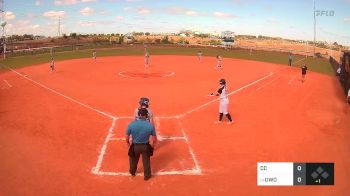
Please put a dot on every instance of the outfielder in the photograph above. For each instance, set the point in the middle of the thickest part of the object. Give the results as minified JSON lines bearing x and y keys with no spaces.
{"x":52,"y":65}
{"x":303,"y":73}
{"x":144,"y":103}
{"x":146,"y":58}
{"x":200,"y":55}
{"x":218,"y":62}
{"x":223,"y":107}
{"x":94,"y":56}
{"x":290,"y":59}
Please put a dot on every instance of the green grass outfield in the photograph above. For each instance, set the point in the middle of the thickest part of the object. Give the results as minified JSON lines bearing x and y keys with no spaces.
{"x":314,"y":64}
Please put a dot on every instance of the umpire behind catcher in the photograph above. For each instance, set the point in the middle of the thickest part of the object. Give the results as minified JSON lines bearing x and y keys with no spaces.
{"x":141,"y":131}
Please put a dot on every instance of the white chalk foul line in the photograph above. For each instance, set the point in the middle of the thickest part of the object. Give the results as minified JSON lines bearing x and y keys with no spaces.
{"x":62,"y":95}
{"x":270,"y":82}
{"x":292,"y":79}
{"x":8,"y":84}
{"x":96,"y":169}
{"x":229,"y":94}
{"x":157,"y":123}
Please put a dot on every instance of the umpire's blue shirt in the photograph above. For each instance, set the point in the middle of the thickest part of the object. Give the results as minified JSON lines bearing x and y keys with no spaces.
{"x":140,"y":131}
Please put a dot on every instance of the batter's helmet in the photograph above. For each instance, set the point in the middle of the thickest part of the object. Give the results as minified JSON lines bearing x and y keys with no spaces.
{"x":222,"y":81}
{"x":144,"y":101}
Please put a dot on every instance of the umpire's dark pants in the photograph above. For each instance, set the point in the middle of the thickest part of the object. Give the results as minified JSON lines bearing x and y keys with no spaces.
{"x":144,"y":150}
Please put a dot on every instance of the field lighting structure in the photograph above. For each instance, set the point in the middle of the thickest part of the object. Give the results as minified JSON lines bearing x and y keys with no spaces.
{"x":3,"y":25}
{"x":314,"y":28}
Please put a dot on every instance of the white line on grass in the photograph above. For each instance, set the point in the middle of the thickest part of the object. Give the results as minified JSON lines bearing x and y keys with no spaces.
{"x":96,"y":169}
{"x":264,"y":85}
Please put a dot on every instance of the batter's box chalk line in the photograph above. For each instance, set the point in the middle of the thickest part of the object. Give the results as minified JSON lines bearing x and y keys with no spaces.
{"x":196,"y":170}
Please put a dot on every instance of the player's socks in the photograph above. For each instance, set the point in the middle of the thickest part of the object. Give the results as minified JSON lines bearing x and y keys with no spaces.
{"x":229,"y":117}
{"x":220,"y":116}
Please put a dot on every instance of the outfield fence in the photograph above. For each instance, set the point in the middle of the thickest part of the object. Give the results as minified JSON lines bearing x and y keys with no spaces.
{"x":321,"y":53}
{"x":56,"y":48}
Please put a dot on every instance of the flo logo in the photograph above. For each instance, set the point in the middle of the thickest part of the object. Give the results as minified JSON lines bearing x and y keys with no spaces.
{"x":324,"y":12}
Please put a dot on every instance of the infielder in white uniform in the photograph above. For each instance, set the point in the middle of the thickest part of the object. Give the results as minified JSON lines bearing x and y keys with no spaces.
{"x":218,"y":62}
{"x":52,"y":65}
{"x":94,"y":56}
{"x":223,"y":108}
{"x":144,"y":103}
{"x":200,"y":55}
{"x":146,"y":58}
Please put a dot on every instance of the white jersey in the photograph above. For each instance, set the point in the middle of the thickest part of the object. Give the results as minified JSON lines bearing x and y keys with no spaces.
{"x":349,"y":93}
{"x":146,"y":53}
{"x":223,"y":106}
{"x":219,"y":59}
{"x":218,"y":62}
{"x":223,"y":92}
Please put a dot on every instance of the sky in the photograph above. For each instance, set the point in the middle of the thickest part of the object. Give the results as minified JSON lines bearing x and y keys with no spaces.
{"x":291,"y":19}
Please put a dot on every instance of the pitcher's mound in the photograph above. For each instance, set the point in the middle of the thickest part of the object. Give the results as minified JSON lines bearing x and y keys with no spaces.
{"x":146,"y":73}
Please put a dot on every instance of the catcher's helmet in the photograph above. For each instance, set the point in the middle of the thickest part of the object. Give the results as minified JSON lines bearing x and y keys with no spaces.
{"x":222,"y":81}
{"x":144,"y":101}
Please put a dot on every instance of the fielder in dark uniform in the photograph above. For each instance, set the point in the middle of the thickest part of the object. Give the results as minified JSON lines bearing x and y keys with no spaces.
{"x":303,"y":73}
{"x":141,"y":130}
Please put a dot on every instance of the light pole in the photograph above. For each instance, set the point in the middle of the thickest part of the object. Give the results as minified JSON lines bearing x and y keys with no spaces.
{"x":314,"y":28}
{"x":3,"y":24}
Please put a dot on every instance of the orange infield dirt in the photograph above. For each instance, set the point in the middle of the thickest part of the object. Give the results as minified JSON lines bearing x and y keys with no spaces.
{"x":61,"y":133}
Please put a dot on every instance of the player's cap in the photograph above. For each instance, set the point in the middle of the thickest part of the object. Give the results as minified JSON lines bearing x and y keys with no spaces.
{"x":222,"y":81}
{"x":143,"y":112}
{"x":144,"y":101}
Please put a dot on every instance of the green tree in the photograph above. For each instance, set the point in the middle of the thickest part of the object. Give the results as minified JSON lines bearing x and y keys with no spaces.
{"x":73,"y":35}
{"x":165,"y":40}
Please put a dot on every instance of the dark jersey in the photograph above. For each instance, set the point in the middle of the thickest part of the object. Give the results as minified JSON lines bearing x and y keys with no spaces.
{"x":303,"y":70}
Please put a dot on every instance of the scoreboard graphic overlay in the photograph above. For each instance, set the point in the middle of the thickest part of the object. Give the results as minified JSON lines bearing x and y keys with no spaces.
{"x":295,"y":174}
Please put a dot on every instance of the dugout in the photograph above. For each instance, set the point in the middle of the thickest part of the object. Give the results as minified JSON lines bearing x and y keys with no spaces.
{"x":345,"y":71}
